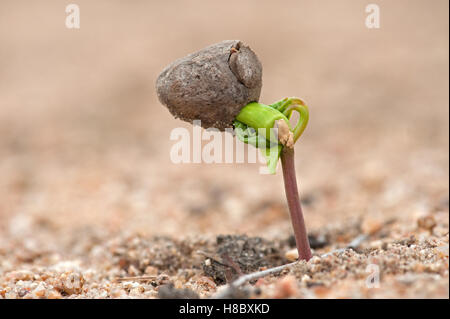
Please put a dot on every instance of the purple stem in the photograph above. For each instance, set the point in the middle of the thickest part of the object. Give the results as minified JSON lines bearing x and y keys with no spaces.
{"x":295,"y":209}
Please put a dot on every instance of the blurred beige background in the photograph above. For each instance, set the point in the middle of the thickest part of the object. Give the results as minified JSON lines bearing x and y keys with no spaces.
{"x":84,"y":142}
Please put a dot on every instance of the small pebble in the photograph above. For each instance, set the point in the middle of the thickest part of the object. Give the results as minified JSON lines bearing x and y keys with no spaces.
{"x":53,"y":294}
{"x":152,"y":271}
{"x":314,"y":260}
{"x":426,"y":222}
{"x":371,"y":226}
{"x":40,"y":290}
{"x":291,"y":255}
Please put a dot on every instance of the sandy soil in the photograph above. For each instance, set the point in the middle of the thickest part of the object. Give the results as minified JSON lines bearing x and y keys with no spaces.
{"x":92,"y":207}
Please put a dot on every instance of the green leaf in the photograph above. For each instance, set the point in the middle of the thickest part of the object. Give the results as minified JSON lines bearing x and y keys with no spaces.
{"x":256,"y":116}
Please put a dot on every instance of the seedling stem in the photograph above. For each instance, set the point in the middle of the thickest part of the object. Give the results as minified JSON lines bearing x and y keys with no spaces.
{"x":295,"y":208}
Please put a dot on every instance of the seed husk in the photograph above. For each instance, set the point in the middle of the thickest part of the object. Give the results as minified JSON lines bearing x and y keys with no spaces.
{"x":211,"y":85}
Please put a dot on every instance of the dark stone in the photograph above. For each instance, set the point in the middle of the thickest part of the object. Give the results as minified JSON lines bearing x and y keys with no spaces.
{"x":316,"y":241}
{"x":241,"y":255}
{"x":170,"y":292}
{"x":211,"y":85}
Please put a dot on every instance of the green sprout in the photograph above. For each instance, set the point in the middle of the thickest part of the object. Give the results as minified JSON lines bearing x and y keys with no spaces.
{"x":216,"y":83}
{"x":256,"y":121}
{"x":255,"y":125}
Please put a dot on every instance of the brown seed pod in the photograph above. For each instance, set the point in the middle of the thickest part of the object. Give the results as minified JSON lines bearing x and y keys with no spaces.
{"x":211,"y":85}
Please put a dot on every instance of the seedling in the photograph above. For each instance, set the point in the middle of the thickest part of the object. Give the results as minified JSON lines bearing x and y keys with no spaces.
{"x":220,"y":85}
